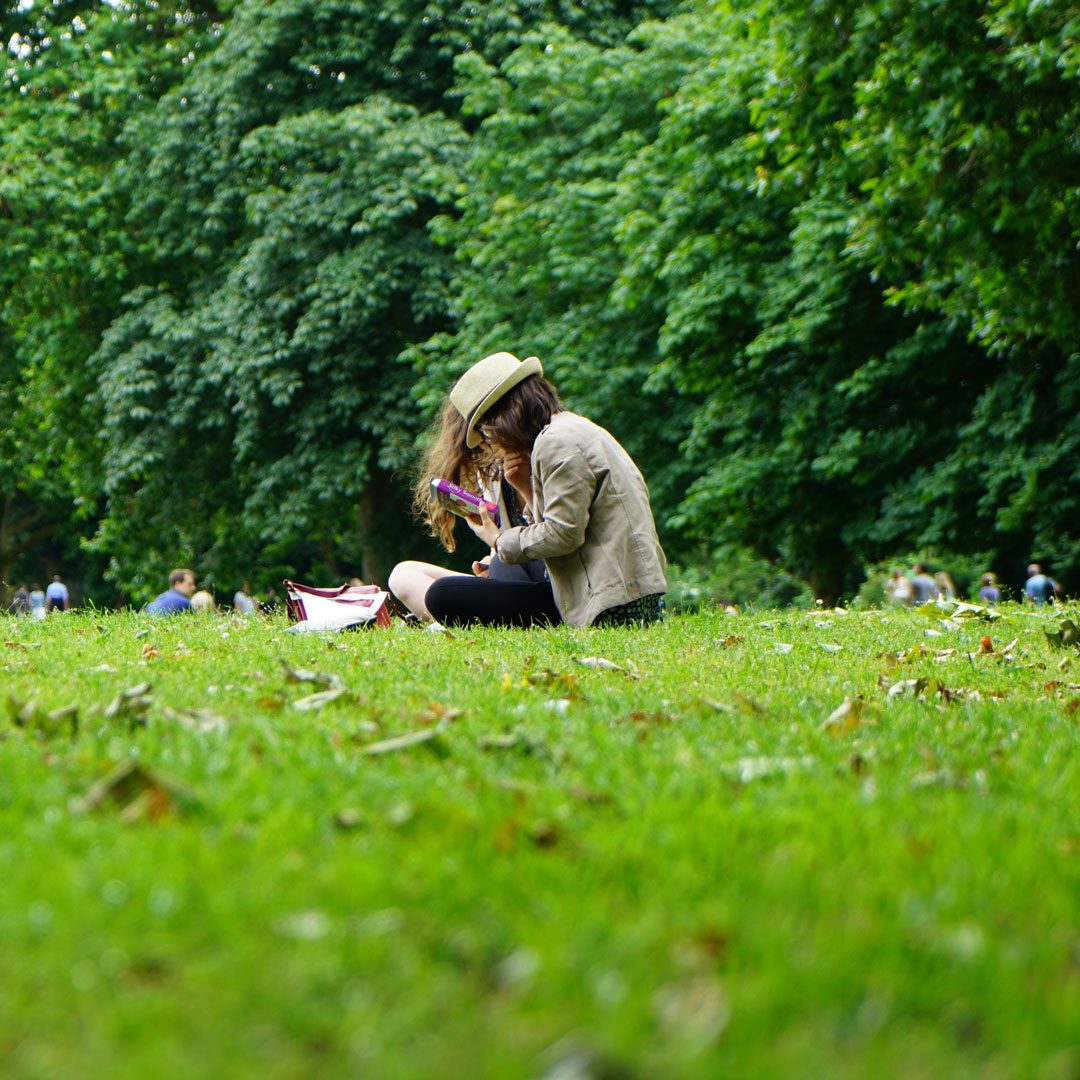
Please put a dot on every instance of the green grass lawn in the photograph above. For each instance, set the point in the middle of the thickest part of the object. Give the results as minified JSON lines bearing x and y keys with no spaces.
{"x":676,"y":867}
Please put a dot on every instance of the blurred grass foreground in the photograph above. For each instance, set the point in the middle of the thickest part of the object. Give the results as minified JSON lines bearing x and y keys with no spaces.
{"x":798,"y":843}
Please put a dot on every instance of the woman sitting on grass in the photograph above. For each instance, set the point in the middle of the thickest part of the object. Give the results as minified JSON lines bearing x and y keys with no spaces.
{"x":581,"y":508}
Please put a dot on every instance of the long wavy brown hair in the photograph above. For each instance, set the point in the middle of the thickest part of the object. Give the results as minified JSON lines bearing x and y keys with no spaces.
{"x":448,"y":458}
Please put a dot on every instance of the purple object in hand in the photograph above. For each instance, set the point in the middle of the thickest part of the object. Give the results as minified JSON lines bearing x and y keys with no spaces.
{"x":463,"y":502}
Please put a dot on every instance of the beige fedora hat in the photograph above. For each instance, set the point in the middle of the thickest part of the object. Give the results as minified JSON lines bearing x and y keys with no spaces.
{"x":484,"y":383}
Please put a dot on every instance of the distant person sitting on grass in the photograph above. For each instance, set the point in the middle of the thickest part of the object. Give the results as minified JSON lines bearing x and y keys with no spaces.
{"x":178,"y":596}
{"x":1039,"y":588}
{"x":243,"y":601}
{"x":945,"y":585}
{"x":20,"y":602}
{"x":923,"y":586}
{"x":203,"y":602}
{"x":990,"y":592}
{"x":899,"y":589}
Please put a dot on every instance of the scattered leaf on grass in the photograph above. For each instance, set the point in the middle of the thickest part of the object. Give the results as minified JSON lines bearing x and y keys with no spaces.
{"x":427,"y":736}
{"x":44,"y":723}
{"x":846,"y":717}
{"x":150,"y":652}
{"x":318,"y":678}
{"x":573,"y":1059}
{"x":202,"y":721}
{"x":657,"y":718}
{"x":400,"y":814}
{"x":732,"y":640}
{"x":1065,"y":634}
{"x":303,"y":926}
{"x":9,"y":644}
{"x":740,"y":704}
{"x":782,"y":647}
{"x":321,"y":698}
{"x":589,"y":795}
{"x":349,"y":818}
{"x":830,"y":647}
{"x":544,"y":834}
{"x":950,"y":610}
{"x":566,"y":684}
{"x":514,"y":740}
{"x":131,"y":705}
{"x":599,"y":663}
{"x":694,"y":1012}
{"x":938,"y":778}
{"x":139,"y":793}
{"x":748,"y":769}
{"x":437,"y":713}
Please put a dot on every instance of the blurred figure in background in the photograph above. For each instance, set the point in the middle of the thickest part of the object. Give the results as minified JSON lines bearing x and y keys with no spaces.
{"x":923,"y":586}
{"x":945,"y":585}
{"x":243,"y":601}
{"x":177,"y":598}
{"x":270,"y":603}
{"x":1039,"y":588}
{"x":202,"y":602}
{"x":37,"y":602}
{"x":56,"y":595}
{"x":898,"y":589}
{"x":989,"y":593}
{"x":20,"y":602}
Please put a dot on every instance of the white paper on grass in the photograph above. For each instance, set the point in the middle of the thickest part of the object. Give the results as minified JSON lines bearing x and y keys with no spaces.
{"x":325,"y":614}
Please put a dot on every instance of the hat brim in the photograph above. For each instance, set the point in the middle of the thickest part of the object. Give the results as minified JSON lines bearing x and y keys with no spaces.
{"x":529,"y":366}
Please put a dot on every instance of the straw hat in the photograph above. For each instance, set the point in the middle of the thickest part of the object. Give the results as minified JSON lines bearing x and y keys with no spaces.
{"x":484,"y":383}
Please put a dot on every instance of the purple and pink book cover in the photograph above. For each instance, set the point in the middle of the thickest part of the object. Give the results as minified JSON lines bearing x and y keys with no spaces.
{"x":461,"y":501}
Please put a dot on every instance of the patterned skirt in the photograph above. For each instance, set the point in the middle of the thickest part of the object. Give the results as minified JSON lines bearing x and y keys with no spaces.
{"x":639,"y":612}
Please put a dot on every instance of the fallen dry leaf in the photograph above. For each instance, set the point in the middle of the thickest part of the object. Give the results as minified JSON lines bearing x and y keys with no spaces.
{"x":131,"y":704}
{"x":321,"y":698}
{"x":427,"y":736}
{"x":139,"y":793}
{"x":846,"y":717}
{"x":694,"y":1012}
{"x":302,"y":675}
{"x":437,"y":713}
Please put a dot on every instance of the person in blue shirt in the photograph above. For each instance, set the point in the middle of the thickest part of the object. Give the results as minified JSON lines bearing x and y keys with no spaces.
{"x":178,"y":596}
{"x":1039,"y":589}
{"x":990,"y":593}
{"x":56,"y":595}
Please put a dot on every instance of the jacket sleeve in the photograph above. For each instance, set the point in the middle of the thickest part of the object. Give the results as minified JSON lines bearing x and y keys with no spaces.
{"x":568,"y":486}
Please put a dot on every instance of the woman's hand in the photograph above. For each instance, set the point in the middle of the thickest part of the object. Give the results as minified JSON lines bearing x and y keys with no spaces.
{"x":481,"y":568}
{"x":484,"y":527}
{"x":517,"y":468}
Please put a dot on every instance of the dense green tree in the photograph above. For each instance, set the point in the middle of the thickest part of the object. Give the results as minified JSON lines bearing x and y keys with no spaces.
{"x":73,"y":75}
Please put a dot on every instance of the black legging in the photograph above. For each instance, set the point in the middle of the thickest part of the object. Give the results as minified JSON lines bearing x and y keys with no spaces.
{"x":460,"y":600}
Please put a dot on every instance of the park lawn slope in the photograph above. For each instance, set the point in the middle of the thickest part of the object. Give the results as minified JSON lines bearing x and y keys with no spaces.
{"x":672,"y":852}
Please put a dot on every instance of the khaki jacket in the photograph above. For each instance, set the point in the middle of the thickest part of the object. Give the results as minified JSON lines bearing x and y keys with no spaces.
{"x":593,"y":525}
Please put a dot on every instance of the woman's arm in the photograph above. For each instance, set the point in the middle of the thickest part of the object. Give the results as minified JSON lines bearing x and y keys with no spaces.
{"x":568,"y":487}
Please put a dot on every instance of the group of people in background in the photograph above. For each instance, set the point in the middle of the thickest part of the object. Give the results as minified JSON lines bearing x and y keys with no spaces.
{"x":920,"y":586}
{"x":183,"y":594}
{"x":37,"y":602}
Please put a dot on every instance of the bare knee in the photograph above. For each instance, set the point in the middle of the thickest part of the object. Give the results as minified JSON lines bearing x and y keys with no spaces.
{"x":409,"y":582}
